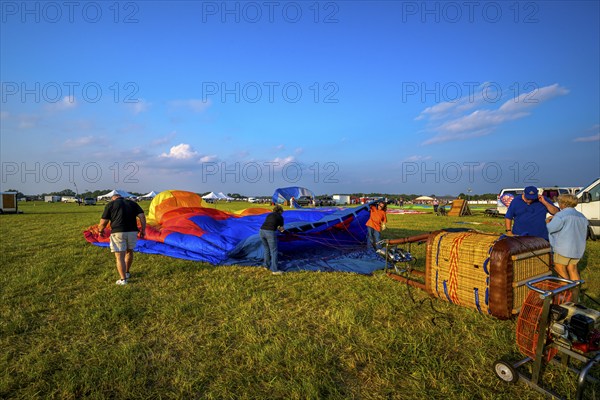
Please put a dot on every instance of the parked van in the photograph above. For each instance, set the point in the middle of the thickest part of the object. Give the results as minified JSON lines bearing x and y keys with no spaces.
{"x":507,"y":195}
{"x":574,"y":190}
{"x":589,"y":205}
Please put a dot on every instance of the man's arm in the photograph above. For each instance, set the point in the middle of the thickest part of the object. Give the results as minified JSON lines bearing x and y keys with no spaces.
{"x":508,"y":225}
{"x":552,"y":209}
{"x":142,"y":218}
{"x":102,"y":226}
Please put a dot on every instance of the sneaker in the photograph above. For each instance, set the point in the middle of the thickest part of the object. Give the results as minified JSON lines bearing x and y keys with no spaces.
{"x":127,"y":275}
{"x":121,"y":282}
{"x":381,"y":252}
{"x":277,"y":273}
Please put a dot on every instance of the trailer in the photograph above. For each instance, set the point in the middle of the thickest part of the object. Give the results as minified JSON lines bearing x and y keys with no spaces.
{"x":341,"y":199}
{"x":52,"y":199}
{"x":8,"y":202}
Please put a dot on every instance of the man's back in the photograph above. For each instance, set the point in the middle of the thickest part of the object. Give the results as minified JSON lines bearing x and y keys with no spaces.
{"x":122,"y":214}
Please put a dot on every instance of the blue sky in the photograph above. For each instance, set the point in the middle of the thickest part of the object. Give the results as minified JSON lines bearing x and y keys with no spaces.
{"x":339,"y":97}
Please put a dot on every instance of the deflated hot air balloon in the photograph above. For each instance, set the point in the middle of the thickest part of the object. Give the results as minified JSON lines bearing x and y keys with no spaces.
{"x":179,"y":226}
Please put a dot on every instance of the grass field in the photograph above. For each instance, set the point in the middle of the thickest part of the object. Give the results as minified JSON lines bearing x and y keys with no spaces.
{"x":190,"y":330}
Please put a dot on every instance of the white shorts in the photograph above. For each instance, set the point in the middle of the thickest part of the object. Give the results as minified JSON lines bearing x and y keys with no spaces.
{"x":122,"y":241}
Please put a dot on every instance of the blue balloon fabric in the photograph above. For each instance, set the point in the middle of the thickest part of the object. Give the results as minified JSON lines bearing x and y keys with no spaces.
{"x":326,"y":239}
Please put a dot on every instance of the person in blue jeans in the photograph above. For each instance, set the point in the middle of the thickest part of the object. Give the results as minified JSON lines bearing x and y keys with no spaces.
{"x":375,"y":224}
{"x":268,"y":237}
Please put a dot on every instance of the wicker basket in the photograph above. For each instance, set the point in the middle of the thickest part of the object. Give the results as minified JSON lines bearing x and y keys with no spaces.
{"x":486,"y":272}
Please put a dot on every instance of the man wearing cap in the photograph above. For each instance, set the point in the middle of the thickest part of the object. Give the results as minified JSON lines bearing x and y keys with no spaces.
{"x":526,"y":215}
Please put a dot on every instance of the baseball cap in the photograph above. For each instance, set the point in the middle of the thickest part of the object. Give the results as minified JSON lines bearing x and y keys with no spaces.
{"x":531,"y":193}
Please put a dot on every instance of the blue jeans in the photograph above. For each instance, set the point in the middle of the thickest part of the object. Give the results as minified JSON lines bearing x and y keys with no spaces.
{"x":373,"y":237}
{"x":269,"y":242}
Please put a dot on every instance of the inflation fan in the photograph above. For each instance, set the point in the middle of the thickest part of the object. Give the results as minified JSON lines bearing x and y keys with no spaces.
{"x":552,"y":328}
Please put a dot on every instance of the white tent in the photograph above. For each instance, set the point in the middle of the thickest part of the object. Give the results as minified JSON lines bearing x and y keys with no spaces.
{"x":150,"y":195}
{"x":211,"y":196}
{"x":110,"y":194}
{"x":223,"y":196}
{"x":424,"y":198}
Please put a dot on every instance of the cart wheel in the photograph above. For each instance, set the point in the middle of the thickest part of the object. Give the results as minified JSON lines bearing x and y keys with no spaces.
{"x":506,"y":371}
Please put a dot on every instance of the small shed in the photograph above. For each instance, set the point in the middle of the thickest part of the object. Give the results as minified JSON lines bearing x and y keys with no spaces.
{"x":8,"y":202}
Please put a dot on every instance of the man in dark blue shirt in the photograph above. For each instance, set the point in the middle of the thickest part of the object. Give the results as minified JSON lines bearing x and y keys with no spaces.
{"x":528,"y":212}
{"x":268,"y":237}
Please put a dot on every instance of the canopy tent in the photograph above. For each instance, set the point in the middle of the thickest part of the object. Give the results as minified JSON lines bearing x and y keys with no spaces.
{"x":110,"y":194}
{"x":211,"y":196}
{"x":424,"y":198}
{"x":283,"y":195}
{"x":150,"y":195}
{"x":223,"y":196}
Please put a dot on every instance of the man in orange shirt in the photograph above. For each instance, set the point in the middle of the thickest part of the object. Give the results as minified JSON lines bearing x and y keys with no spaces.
{"x":376,"y":224}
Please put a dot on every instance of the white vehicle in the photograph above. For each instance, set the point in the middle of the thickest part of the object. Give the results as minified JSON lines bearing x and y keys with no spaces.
{"x":506,"y":195}
{"x":574,"y":190}
{"x":589,"y":205}
{"x":252,"y":200}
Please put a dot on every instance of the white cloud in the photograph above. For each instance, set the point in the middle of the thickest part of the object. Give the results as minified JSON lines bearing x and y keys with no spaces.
{"x":437,"y":110}
{"x":79,"y":142}
{"x":533,"y":98}
{"x":180,"y":152}
{"x":210,"y":158}
{"x":66,"y":103}
{"x":242,"y":154}
{"x":165,"y":139}
{"x":417,"y":158}
{"x":455,"y":107}
{"x":280,"y":162}
{"x":483,"y":121}
{"x":593,"y":138}
{"x":285,"y":160}
{"x":194,"y":105}
{"x":28,"y":121}
{"x":139,"y":107}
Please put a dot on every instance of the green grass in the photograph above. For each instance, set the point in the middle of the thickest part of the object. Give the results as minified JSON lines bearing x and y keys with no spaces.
{"x":183,"y":329}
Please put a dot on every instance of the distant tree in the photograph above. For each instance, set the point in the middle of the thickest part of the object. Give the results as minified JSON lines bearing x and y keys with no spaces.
{"x":19,"y":194}
{"x":66,"y":192}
